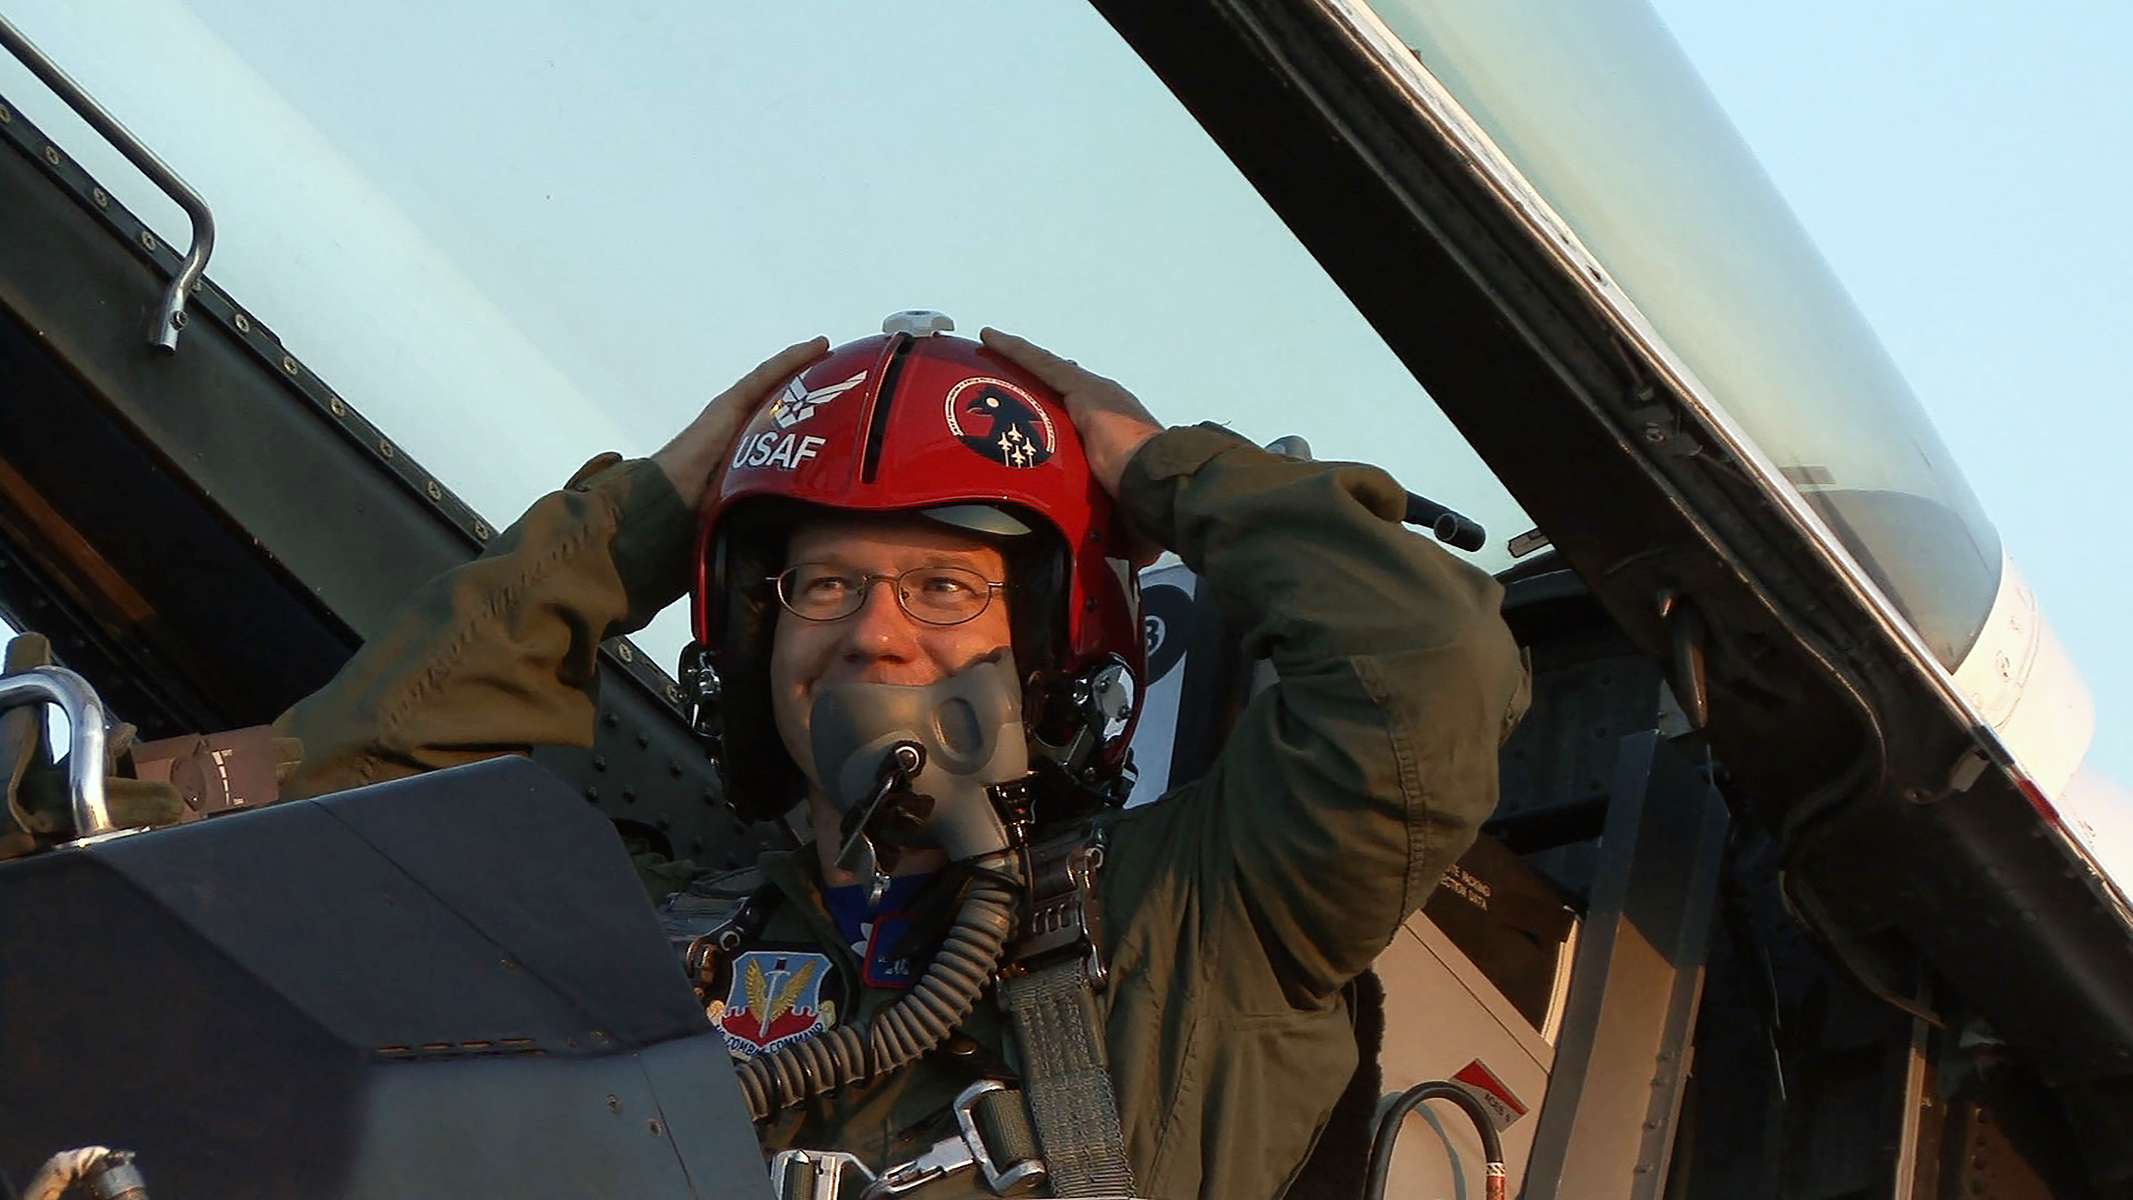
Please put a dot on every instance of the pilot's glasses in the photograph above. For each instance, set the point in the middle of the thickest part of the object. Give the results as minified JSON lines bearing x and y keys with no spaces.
{"x":933,"y":595}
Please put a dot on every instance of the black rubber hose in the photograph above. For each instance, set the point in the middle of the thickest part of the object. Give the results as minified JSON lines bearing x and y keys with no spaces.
{"x":917,"y":1022}
{"x":1388,"y":1132}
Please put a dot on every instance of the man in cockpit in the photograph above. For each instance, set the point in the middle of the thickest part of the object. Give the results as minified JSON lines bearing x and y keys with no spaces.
{"x":911,"y":567}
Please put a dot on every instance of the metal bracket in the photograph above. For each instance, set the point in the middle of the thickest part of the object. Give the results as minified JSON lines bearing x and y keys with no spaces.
{"x":1662,"y":428}
{"x":170,"y":314}
{"x":1687,"y":666}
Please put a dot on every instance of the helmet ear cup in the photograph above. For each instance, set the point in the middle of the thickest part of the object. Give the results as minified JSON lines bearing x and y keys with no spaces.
{"x":1038,"y":570}
{"x":760,"y":779}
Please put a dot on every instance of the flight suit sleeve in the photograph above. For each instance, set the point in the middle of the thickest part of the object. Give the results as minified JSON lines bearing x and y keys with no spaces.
{"x":500,"y":654}
{"x":1346,"y":789}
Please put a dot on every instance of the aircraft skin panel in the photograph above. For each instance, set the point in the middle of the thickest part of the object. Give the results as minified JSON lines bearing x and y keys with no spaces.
{"x":1452,"y":122}
{"x":2025,"y":685}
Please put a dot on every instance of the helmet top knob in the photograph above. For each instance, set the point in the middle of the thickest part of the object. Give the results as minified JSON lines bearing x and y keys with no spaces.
{"x":918,"y":322}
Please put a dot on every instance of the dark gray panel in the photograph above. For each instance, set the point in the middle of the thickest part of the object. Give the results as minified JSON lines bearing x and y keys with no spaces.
{"x":440,"y":978}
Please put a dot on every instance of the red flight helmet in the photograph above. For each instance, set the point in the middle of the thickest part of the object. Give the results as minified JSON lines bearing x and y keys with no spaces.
{"x":912,"y":420}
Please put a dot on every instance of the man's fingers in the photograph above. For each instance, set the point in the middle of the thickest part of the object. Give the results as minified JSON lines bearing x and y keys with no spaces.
{"x":1058,"y":372}
{"x":773,"y":370}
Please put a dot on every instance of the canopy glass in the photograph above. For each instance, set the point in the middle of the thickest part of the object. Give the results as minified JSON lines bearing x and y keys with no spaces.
{"x":514,"y":243}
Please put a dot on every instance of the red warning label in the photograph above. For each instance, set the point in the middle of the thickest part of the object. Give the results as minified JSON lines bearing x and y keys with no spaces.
{"x":1495,"y":1095}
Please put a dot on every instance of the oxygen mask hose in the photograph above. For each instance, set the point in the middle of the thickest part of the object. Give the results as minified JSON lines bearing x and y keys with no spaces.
{"x":1388,"y":1132}
{"x":921,"y":1019}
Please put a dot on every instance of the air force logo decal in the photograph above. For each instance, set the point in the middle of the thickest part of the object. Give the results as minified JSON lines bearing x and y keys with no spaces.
{"x":1001,"y":422}
{"x":777,"y":998}
{"x":776,"y":447}
{"x":797,"y":403}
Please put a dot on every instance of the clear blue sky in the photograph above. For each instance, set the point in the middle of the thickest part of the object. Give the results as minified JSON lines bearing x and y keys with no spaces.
{"x":516,"y":242}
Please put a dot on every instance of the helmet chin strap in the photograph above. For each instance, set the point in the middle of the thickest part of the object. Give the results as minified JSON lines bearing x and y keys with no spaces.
{"x":922,"y":765}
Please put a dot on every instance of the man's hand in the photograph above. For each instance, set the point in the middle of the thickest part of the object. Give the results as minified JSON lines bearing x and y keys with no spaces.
{"x":693,"y":456}
{"x":1112,"y":423}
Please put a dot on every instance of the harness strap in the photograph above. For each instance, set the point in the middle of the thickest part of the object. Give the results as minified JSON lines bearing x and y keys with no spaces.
{"x":1066,"y":1080}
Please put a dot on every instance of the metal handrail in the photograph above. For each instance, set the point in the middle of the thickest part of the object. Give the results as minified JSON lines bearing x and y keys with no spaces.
{"x":170,"y":315}
{"x":85,"y":747}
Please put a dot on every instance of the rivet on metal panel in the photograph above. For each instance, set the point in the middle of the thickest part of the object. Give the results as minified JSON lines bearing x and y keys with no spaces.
{"x":599,"y":762}
{"x":710,"y":797}
{"x":610,"y":719}
{"x":481,"y":530}
{"x":430,"y":487}
{"x":242,"y":322}
{"x":7,"y":115}
{"x":102,"y":197}
{"x":288,"y":363}
{"x":674,"y":767}
{"x":614,"y":1103}
{"x":674,"y":693}
{"x":51,"y":155}
{"x":385,"y":448}
{"x":657,"y":1129}
{"x":623,"y":651}
{"x":148,"y":241}
{"x":593,"y":794}
{"x":334,"y":406}
{"x":629,"y":795}
{"x":644,"y":741}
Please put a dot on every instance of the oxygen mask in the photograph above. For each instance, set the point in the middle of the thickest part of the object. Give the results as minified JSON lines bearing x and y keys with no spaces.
{"x":930,"y":765}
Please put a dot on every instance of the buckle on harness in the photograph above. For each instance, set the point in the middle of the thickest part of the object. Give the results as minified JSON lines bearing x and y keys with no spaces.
{"x":823,"y":1174}
{"x":1065,"y":914}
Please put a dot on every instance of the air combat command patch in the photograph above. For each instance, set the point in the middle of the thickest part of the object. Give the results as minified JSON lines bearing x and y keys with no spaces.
{"x":775,"y":998}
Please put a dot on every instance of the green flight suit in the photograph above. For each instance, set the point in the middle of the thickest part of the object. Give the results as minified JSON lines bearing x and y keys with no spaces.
{"x":1237,"y":906}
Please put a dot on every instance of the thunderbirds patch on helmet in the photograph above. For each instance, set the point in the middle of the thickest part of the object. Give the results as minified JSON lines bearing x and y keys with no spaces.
{"x":1001,"y":422}
{"x":797,"y":403}
{"x":776,"y":998}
